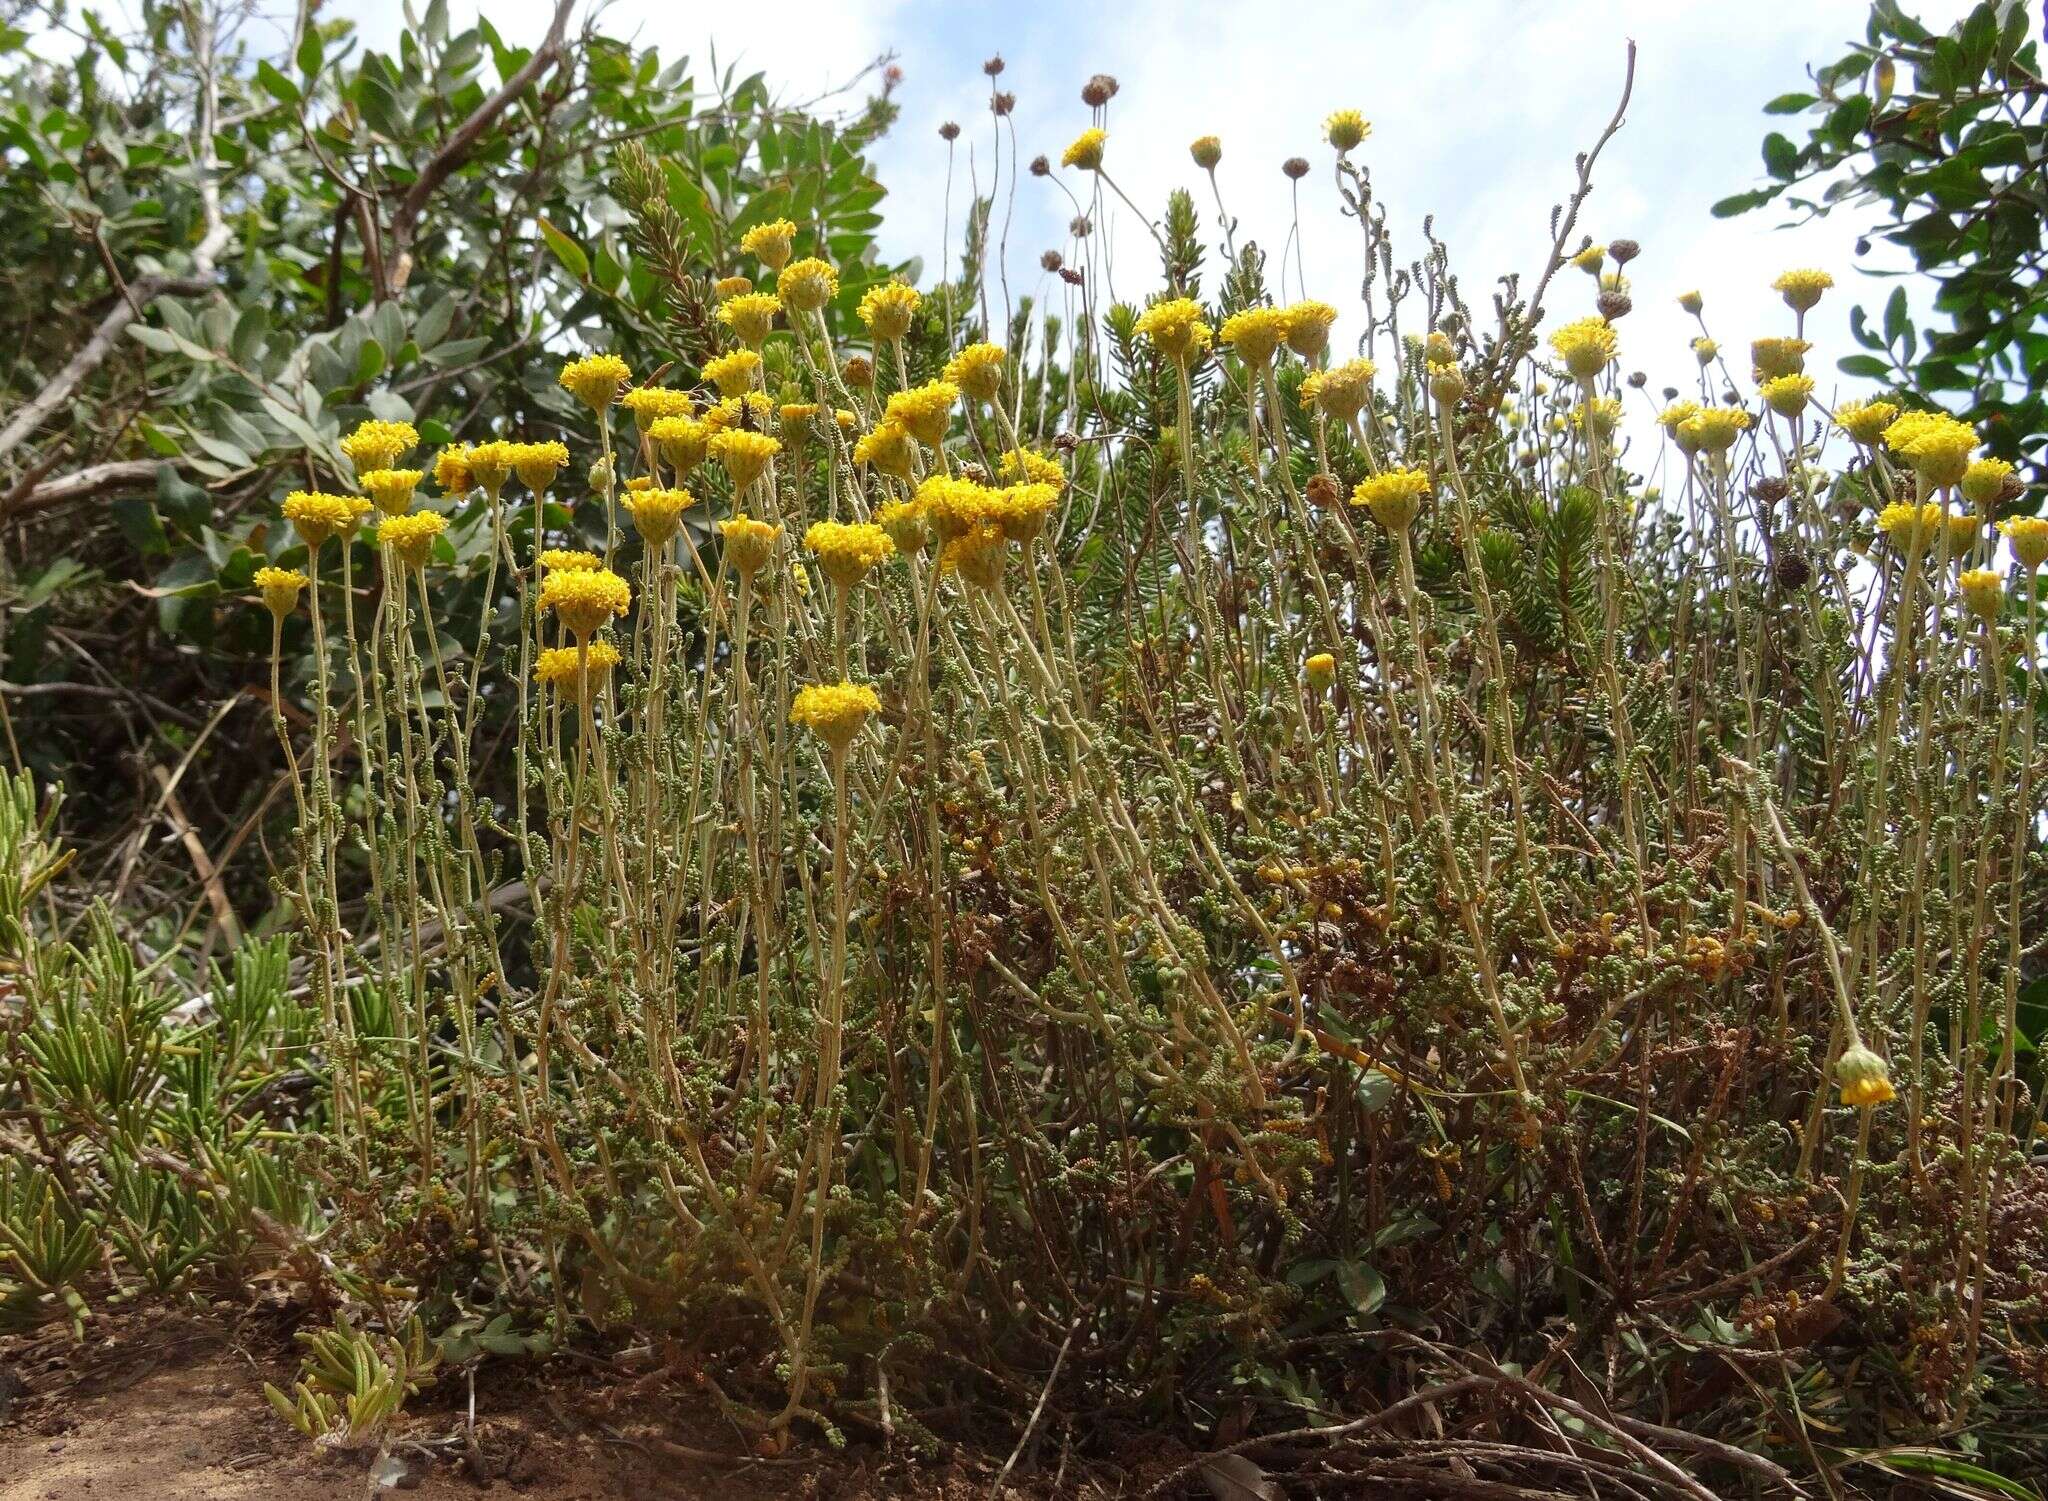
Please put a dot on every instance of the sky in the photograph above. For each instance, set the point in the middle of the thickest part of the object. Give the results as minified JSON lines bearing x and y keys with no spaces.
{"x":1478,"y":109}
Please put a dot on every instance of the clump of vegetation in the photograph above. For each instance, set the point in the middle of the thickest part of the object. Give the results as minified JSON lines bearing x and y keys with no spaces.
{"x":1212,"y":861}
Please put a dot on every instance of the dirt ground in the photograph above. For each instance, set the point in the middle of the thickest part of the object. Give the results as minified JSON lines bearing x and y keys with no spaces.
{"x":169,"y":1407}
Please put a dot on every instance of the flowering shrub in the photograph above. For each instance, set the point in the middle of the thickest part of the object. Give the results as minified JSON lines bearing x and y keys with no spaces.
{"x":1164,"y":873}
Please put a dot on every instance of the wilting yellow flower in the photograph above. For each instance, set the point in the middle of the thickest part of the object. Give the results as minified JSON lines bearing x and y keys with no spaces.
{"x":491,"y":464}
{"x":954,"y":507}
{"x":1255,"y":334}
{"x":1345,"y":129}
{"x":683,"y":442}
{"x":1591,"y":259}
{"x":1437,"y":349}
{"x":1175,"y":327}
{"x":925,"y":412}
{"x":886,"y":311}
{"x":1863,"y":1077}
{"x":1911,"y":528}
{"x":1032,"y":468}
{"x":280,"y":589}
{"x":888,"y":448}
{"x":1207,"y":152}
{"x":745,"y":455}
{"x":728,"y":287}
{"x":583,"y":599}
{"x":807,"y":285}
{"x":1771,"y":358}
{"x":537,"y":464}
{"x":796,"y":418}
{"x":377,"y":445}
{"x":568,"y":559}
{"x":657,"y":513}
{"x":1586,"y":346}
{"x":1020,"y":511}
{"x":2028,"y":536}
{"x":752,"y":410}
{"x":1086,"y":150}
{"x":1787,"y":395}
{"x":1341,"y":391}
{"x":1705,"y":350}
{"x":733,"y":373}
{"x":1446,"y":382}
{"x":595,"y":379}
{"x":1802,"y":289}
{"x":977,"y":555}
{"x":770,"y":243}
{"x":1692,"y":302}
{"x":978,"y":371}
{"x":391,"y":489}
{"x":317,"y":516}
{"x":1984,"y":481}
{"x":1865,"y":421}
{"x":1983,"y":591}
{"x":903,"y":520}
{"x":751,"y":316}
{"x":575,"y":671}
{"x":1714,"y":429}
{"x":452,"y":472}
{"x":1308,"y":327}
{"x":1394,"y":498}
{"x":835,"y":712}
{"x":847,"y":550}
{"x":649,"y":404}
{"x":749,"y":543}
{"x":411,"y":537}
{"x":1934,"y":444}
{"x":1602,"y":414}
{"x":1321,"y":671}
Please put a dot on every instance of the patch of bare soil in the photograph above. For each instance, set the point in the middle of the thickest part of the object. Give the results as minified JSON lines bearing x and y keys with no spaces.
{"x":158,"y":1406}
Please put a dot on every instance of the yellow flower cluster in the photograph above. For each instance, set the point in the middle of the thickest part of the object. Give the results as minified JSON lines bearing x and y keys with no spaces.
{"x":583,"y":599}
{"x":749,"y":543}
{"x":1346,"y":129}
{"x":537,"y":464}
{"x":1983,"y":483}
{"x":683,"y":442}
{"x":657,"y":513}
{"x":731,"y":286}
{"x":888,"y":448}
{"x":1770,"y":358}
{"x":978,"y":371}
{"x":835,"y":712}
{"x":750,"y":316}
{"x":770,"y":243}
{"x":377,"y":445}
{"x":807,"y":285}
{"x":1255,"y":334}
{"x":1713,"y":429}
{"x":1983,"y":591}
{"x":1207,"y":151}
{"x":576,"y":671}
{"x":649,"y":404}
{"x":886,"y":311}
{"x":280,"y":589}
{"x":1086,"y":150}
{"x":1175,"y":328}
{"x":452,"y":472}
{"x":847,"y":550}
{"x":317,"y":516}
{"x":1602,"y":414}
{"x":1321,"y":671}
{"x":732,"y":373}
{"x":1911,"y":528}
{"x":391,"y":489}
{"x":1787,"y":395}
{"x":957,"y":507}
{"x":1586,"y":346}
{"x":1394,"y":498}
{"x":595,"y":379}
{"x":2028,"y":536}
{"x":568,"y":560}
{"x":977,"y":555}
{"x":1802,"y":289}
{"x":1342,"y":391}
{"x":1935,"y":445}
{"x":925,"y":412}
{"x":1865,"y":421}
{"x":411,"y":537}
{"x":1308,"y":327}
{"x":744,"y":454}
{"x":1591,"y":259}
{"x":1863,"y":1077}
{"x":1021,"y":464}
{"x":903,"y":520}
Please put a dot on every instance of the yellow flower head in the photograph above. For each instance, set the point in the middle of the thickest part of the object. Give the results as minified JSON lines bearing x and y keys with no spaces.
{"x":377,"y":445}
{"x":733,"y":373}
{"x":749,"y":410}
{"x":1984,"y":481}
{"x":1032,"y":468}
{"x":1674,"y":417}
{"x":807,"y":285}
{"x":649,"y":404}
{"x":1714,"y":429}
{"x":1787,"y":395}
{"x":537,"y":464}
{"x":1321,"y":671}
{"x":1774,"y":357}
{"x":568,"y":560}
{"x":1020,"y":511}
{"x":1865,"y":421}
{"x":1255,"y":334}
{"x":749,"y":543}
{"x":1345,"y":129}
{"x":411,"y":537}
{"x":316,"y":516}
{"x":835,"y":712}
{"x":682,"y":441}
{"x":1591,"y":259}
{"x":846,"y":551}
{"x":888,"y":448}
{"x":1692,"y":302}
{"x":978,"y":371}
{"x":1086,"y":150}
{"x":1175,"y":328}
{"x":1308,"y":327}
{"x":925,"y":411}
{"x":1343,"y":390}
{"x":770,"y":243}
{"x":750,"y":316}
{"x":1586,"y":346}
{"x":977,"y":555}
{"x":745,"y":455}
{"x":1602,"y":414}
{"x":452,"y":472}
{"x":1910,"y":527}
{"x":797,"y":418}
{"x":2028,"y":536}
{"x":280,"y":589}
{"x":584,"y":599}
{"x":1446,"y":382}
{"x":1983,"y":591}
{"x":576,"y":672}
{"x":903,"y":520}
{"x":1863,"y":1077}
{"x":728,"y":287}
{"x":391,"y":489}
{"x":954,"y":507}
{"x":1207,"y":152}
{"x":1802,"y":289}
{"x":1394,"y":498}
{"x":657,"y":513}
{"x":490,"y":464}
{"x":595,"y":379}
{"x":1934,"y":444}
{"x":886,"y":311}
